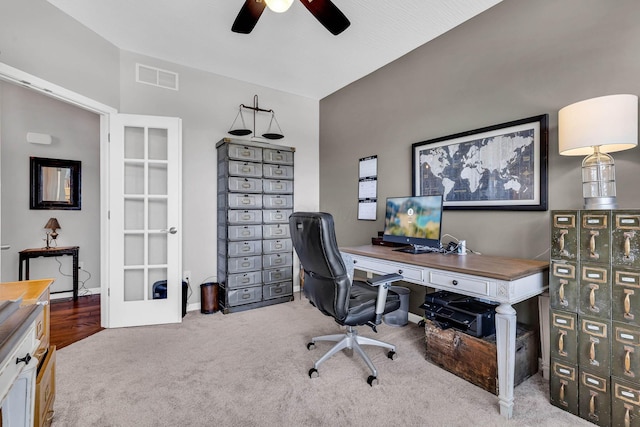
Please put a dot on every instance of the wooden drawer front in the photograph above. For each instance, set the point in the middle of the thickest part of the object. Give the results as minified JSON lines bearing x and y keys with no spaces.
{"x":564,"y":336}
{"x":594,"y":398}
{"x":275,"y":246}
{"x":244,"y":295}
{"x":276,"y":231}
{"x":277,"y":290}
{"x":564,"y":235}
{"x":625,"y":239}
{"x":282,"y":157}
{"x":277,"y":275}
{"x":454,"y":282}
{"x":245,"y":201}
{"x":244,"y":264}
{"x":595,"y":291}
{"x":244,"y":279}
{"x":272,"y":201}
{"x":277,"y":186}
{"x":415,"y":275}
{"x":594,"y":346}
{"x":246,"y":248}
{"x":563,"y":386}
{"x":625,"y":296}
{"x":42,"y":334}
{"x":595,"y":236}
{"x":253,"y":170}
{"x":277,"y":216}
{"x":253,"y":216}
{"x":244,"y":232}
{"x":245,"y":152}
{"x":277,"y":260}
{"x":563,"y":286}
{"x":245,"y":185}
{"x":625,"y":352}
{"x":625,"y":403}
{"x":46,"y":389}
{"x":277,"y":171}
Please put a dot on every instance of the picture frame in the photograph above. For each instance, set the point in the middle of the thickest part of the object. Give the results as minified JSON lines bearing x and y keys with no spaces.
{"x":54,"y":184}
{"x":499,"y":167}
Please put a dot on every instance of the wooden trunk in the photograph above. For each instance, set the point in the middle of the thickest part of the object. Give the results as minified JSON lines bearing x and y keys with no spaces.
{"x":475,"y":359}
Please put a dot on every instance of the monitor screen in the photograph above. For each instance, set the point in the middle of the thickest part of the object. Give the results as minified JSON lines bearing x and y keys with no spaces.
{"x":415,"y":220}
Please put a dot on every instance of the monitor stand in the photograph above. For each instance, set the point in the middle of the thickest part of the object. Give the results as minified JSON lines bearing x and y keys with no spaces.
{"x":415,"y":249}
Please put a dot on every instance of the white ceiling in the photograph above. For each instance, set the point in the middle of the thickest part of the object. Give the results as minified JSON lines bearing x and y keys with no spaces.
{"x":290,"y":51}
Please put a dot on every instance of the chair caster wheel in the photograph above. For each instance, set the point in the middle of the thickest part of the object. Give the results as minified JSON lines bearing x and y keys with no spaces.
{"x":421,"y":323}
{"x":372,"y":380}
{"x":311,"y":346}
{"x":392,"y":355}
{"x":313,"y":373}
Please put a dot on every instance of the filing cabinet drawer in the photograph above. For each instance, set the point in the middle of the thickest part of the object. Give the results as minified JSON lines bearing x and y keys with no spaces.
{"x":564,"y":336}
{"x":244,"y":279}
{"x":282,"y":157}
{"x":245,"y":201}
{"x":244,"y":232}
{"x":277,"y":260}
{"x":563,"y":386}
{"x":625,"y":403}
{"x":463,"y":283}
{"x":277,"y":216}
{"x":595,"y":236}
{"x":245,"y":152}
{"x":277,"y":290}
{"x":243,"y":264}
{"x":625,"y":296}
{"x":277,"y":275}
{"x":45,"y":389}
{"x":595,"y":291}
{"x":594,"y":398}
{"x":594,"y":346}
{"x":276,"y":231}
{"x":277,"y":201}
{"x":563,"y":286}
{"x":275,"y":246}
{"x":252,"y":216}
{"x":625,"y":245}
{"x":245,"y":185}
{"x":247,"y":169}
{"x":625,"y":352}
{"x":244,"y":295}
{"x":277,"y":186}
{"x":277,"y":171}
{"x":564,"y":235}
{"x":244,"y":248}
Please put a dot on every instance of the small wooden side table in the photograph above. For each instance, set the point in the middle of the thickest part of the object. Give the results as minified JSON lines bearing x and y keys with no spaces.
{"x":27,"y":254}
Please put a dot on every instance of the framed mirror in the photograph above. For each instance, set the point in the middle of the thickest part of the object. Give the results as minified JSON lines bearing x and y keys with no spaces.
{"x":55,"y":184}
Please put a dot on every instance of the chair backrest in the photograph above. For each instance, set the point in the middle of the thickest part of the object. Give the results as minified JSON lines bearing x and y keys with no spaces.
{"x":326,"y":282}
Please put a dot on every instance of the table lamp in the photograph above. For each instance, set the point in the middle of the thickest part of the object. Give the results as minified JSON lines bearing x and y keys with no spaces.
{"x":52,"y":225}
{"x":595,"y":127}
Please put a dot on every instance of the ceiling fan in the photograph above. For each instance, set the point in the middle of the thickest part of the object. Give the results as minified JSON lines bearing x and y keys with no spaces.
{"x":324,"y":10}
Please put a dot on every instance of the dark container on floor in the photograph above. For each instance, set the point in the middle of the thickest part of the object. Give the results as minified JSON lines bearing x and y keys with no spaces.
{"x":208,"y":298}
{"x":160,"y":292}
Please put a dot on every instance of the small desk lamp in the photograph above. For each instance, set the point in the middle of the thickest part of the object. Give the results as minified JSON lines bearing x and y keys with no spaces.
{"x":596,"y":127}
{"x":52,"y":225}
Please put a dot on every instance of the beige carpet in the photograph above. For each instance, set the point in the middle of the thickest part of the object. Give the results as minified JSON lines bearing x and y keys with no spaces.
{"x":250,"y":369}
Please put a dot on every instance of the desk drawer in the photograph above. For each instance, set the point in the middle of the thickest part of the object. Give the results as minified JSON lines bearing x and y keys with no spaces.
{"x":410,"y":274}
{"x":457,"y":282}
{"x":10,"y":370}
{"x":46,"y":389}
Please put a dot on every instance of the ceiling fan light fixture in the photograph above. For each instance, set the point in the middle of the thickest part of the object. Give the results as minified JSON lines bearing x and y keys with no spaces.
{"x":279,"y":6}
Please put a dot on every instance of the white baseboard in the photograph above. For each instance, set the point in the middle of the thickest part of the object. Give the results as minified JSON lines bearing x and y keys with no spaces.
{"x":69,"y":294}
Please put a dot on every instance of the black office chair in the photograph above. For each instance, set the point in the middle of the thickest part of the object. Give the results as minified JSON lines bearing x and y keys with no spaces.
{"x":329,"y":289}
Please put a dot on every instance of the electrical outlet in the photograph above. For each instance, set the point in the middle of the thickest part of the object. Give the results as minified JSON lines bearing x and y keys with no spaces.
{"x":186,"y":275}
{"x":81,"y":265}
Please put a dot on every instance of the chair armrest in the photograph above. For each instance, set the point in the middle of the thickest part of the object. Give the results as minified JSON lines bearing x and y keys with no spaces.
{"x":381,"y":300}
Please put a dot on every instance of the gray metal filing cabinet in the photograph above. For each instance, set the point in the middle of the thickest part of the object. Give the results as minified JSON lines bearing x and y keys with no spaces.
{"x":255,"y":199}
{"x":594,"y":288}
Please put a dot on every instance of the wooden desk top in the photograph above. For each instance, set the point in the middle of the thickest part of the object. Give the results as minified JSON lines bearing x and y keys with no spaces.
{"x":497,"y":267}
{"x":52,"y":250}
{"x":28,"y":290}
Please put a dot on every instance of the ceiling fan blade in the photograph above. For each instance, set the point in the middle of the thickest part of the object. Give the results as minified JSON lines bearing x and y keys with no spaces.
{"x":248,"y":16}
{"x":328,"y":14}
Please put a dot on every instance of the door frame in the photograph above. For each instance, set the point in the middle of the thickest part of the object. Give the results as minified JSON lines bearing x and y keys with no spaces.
{"x":29,"y":81}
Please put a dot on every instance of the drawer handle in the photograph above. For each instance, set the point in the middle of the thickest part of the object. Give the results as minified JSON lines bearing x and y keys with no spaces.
{"x":592,"y":406}
{"x":25,"y":359}
{"x":561,"y":343}
{"x":400,"y":271}
{"x":454,"y":282}
{"x":627,"y":361}
{"x":561,"y":240}
{"x":627,"y":245}
{"x":592,"y":244}
{"x":592,"y":298}
{"x":627,"y":304}
{"x":627,"y":417}
{"x":592,"y":353}
{"x":562,"y":386}
{"x":563,"y":301}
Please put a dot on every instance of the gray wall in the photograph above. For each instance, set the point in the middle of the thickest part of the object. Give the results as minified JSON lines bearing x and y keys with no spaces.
{"x":516,"y":60}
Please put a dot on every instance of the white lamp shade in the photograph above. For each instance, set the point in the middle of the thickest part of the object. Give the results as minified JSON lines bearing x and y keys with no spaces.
{"x":610,"y":122}
{"x":279,"y":5}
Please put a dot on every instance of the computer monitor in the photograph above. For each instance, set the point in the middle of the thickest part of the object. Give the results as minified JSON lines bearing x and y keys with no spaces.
{"x":415,"y":221}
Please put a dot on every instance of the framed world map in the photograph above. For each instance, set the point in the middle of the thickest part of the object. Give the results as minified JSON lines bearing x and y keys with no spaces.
{"x":496,"y":167}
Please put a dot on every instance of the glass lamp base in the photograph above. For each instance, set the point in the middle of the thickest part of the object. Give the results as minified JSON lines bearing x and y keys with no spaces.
{"x":600,"y":203}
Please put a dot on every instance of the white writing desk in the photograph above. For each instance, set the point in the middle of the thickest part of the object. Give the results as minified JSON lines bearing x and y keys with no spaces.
{"x":506,"y":281}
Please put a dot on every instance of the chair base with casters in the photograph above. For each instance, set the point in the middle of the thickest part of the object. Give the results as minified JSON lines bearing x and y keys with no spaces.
{"x":350,"y":340}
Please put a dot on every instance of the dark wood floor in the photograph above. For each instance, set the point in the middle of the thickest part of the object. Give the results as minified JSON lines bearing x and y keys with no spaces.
{"x":72,"y":321}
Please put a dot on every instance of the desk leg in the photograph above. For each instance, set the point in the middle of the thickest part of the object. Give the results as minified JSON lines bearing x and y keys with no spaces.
{"x":506,"y":349}
{"x":75,"y":275}
{"x":545,"y":340}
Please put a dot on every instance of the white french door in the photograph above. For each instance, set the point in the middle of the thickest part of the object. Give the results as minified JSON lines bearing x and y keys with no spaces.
{"x":145,"y":220}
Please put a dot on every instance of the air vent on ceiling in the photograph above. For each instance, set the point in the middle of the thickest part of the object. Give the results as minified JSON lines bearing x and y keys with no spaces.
{"x":156,"y":77}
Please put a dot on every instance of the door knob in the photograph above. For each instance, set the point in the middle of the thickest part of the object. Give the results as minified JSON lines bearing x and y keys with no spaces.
{"x":5,"y":247}
{"x":172,"y":230}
